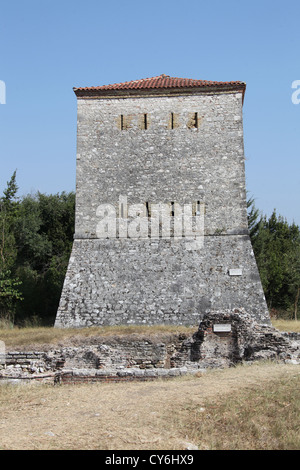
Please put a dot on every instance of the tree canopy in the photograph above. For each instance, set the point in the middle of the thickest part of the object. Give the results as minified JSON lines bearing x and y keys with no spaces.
{"x":35,"y":245}
{"x":276,"y":245}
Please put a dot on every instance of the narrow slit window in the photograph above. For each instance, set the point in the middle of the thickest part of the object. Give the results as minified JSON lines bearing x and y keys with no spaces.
{"x":148,"y":212}
{"x":196,"y":121}
{"x":172,"y":120}
{"x":145,"y":122}
{"x":172,"y":209}
{"x":122,"y":122}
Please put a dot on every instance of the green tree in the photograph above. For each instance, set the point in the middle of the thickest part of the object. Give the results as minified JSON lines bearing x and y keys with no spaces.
{"x":44,"y":234}
{"x":276,"y":246}
{"x":292,"y":263}
{"x":9,"y":295}
{"x":253,"y":218}
{"x":9,"y":284}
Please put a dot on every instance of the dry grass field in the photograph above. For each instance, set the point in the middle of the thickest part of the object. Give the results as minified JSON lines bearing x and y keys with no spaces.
{"x":250,"y":407}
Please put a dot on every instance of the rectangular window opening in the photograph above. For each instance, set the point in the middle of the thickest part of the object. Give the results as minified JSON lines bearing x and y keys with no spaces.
{"x":122,"y":122}
{"x":145,"y":122}
{"x":193,"y":121}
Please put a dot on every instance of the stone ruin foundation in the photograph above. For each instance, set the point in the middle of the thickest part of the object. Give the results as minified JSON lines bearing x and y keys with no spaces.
{"x":228,"y":338}
{"x":223,"y":339}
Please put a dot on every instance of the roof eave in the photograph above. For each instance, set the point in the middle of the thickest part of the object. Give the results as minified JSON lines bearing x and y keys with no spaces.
{"x":99,"y":92}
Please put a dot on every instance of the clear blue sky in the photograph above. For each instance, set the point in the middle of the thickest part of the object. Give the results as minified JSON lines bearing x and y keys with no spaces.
{"x":49,"y":46}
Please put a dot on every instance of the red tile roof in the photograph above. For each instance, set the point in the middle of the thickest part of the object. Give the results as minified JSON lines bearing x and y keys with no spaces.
{"x":159,"y":83}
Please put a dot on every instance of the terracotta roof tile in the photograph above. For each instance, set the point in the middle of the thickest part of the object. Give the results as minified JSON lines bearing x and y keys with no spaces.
{"x":161,"y":82}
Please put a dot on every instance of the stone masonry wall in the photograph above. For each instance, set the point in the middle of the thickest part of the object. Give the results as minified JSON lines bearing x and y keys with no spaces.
{"x":160,"y":164}
{"x":114,"y":281}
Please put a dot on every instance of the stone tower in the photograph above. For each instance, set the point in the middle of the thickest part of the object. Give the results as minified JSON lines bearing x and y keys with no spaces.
{"x":161,"y":232}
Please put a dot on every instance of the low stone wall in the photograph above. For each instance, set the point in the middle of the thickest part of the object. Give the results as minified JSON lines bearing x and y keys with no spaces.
{"x":126,"y":375}
{"x":77,"y":376}
{"x":223,"y":339}
{"x":105,"y":359}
